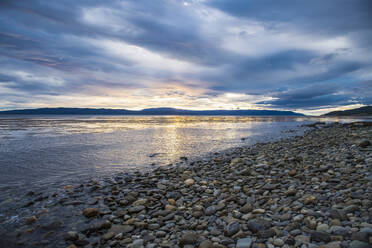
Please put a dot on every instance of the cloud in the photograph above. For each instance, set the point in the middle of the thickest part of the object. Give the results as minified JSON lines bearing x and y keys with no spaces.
{"x":167,"y":53}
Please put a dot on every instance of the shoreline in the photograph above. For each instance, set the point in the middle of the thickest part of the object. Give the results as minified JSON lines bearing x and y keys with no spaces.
{"x":277,"y":194}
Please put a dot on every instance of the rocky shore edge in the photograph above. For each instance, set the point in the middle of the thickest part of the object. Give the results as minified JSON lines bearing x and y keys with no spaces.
{"x":309,"y":191}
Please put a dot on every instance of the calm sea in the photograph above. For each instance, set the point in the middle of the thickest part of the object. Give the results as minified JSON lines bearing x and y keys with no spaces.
{"x":42,"y":151}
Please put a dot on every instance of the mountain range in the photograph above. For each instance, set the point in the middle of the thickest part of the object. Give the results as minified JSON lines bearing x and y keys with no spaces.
{"x":150,"y":111}
{"x":363,"y":111}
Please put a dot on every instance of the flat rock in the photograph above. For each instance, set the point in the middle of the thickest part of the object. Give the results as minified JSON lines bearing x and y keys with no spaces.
{"x":206,"y":244}
{"x":244,"y":243}
{"x":257,"y":225}
{"x":320,"y":236}
{"x":246,"y":208}
{"x":90,"y":212}
{"x":188,"y":239}
{"x":359,"y":244}
{"x":136,"y":209}
{"x":189,"y":181}
{"x":232,"y":228}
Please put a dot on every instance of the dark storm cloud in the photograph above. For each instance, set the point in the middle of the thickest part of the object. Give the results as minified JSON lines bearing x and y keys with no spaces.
{"x":309,"y":97}
{"x":336,"y":17}
{"x":264,"y":48}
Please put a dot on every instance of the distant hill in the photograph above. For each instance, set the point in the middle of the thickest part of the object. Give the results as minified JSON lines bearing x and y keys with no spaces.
{"x":363,"y":111}
{"x":151,"y":111}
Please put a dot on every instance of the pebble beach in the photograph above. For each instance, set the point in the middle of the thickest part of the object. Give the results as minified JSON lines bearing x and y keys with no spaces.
{"x":306,"y":191}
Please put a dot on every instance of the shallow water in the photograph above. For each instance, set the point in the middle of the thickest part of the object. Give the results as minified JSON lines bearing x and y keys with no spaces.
{"x":40,"y":151}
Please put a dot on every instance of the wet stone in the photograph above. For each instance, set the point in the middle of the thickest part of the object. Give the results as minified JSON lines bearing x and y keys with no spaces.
{"x":320,"y":236}
{"x":90,"y":212}
{"x":188,"y":239}
{"x":232,"y":228}
{"x":244,"y":243}
{"x":257,"y":225}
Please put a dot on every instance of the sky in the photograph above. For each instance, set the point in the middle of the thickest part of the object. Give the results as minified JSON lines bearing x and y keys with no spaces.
{"x":306,"y":56}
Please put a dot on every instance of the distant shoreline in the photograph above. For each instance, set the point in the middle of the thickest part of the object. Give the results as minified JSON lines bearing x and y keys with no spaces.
{"x":152,"y":111}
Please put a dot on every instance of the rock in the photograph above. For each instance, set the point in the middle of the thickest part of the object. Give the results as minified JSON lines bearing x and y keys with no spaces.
{"x":210,"y":210}
{"x":31,"y":220}
{"x":302,"y":239}
{"x":278,"y":242}
{"x":258,"y":211}
{"x":161,"y":186}
{"x":139,"y":202}
{"x":90,"y":212}
{"x":339,"y":230}
{"x":246,"y":208}
{"x":286,"y":216}
{"x":361,"y":236}
{"x":367,"y":229}
{"x":232,"y":228}
{"x":197,"y":214}
{"x":320,"y":236}
{"x":51,"y":226}
{"x":351,"y":209}
{"x":136,"y":209}
{"x":322,"y":227}
{"x":244,"y":243}
{"x":71,"y":236}
{"x":160,"y":234}
{"x":188,"y":239}
{"x":116,"y":229}
{"x":311,"y":199}
{"x":292,"y":173}
{"x":298,"y":218}
{"x":364,"y":143}
{"x":206,"y":244}
{"x":170,"y":207}
{"x":257,"y":225}
{"x":291,"y":192}
{"x":138,"y":243}
{"x":359,"y":244}
{"x":81,"y":242}
{"x":108,"y":235}
{"x":338,"y":214}
{"x":97,"y":225}
{"x":310,"y":223}
{"x":335,"y":222}
{"x":189,"y":181}
{"x":334,"y":244}
{"x":268,"y":233}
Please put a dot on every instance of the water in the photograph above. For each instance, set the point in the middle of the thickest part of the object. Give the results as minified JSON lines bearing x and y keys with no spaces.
{"x":40,"y":151}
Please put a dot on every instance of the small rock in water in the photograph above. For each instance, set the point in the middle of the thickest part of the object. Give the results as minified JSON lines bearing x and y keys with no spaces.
{"x":71,"y":236}
{"x":31,"y":220}
{"x":90,"y":212}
